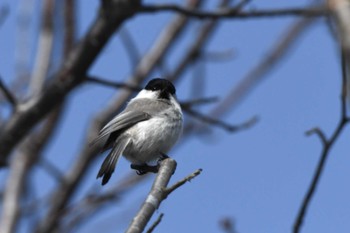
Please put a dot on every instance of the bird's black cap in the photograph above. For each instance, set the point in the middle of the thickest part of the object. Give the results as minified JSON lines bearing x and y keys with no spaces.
{"x":164,"y":86}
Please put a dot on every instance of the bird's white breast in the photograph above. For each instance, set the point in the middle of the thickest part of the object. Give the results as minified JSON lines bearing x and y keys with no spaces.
{"x":154,"y":136}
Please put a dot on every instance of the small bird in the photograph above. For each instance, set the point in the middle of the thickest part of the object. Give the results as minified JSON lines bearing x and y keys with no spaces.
{"x":144,"y":131}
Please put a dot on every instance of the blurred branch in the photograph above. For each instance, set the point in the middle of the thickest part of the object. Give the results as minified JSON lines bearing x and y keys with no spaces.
{"x":20,"y":167}
{"x":7,"y":93}
{"x":94,"y":79}
{"x":51,"y":169}
{"x":155,"y":224}
{"x":4,"y":12}
{"x":44,"y":51}
{"x":228,"y":225}
{"x":327,"y":145}
{"x":70,"y":21}
{"x":70,"y":75}
{"x":218,"y":56}
{"x":198,"y":101}
{"x":92,"y":203}
{"x":154,"y":198}
{"x":130,"y":46}
{"x":259,"y":72}
{"x":225,"y":13}
{"x":194,"y":51}
{"x":216,"y":122}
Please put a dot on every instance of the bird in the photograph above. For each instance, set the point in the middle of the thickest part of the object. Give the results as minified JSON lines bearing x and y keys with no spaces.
{"x":144,"y":131}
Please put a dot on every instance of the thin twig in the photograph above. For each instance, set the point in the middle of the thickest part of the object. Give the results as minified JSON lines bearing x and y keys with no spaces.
{"x":202,"y":37}
{"x":4,"y":12}
{"x":178,"y":184}
{"x":218,"y":56}
{"x":254,"y":76}
{"x":130,"y":47}
{"x":154,"y":198}
{"x":319,"y":133}
{"x":108,"y":83}
{"x":219,"y":123}
{"x":327,"y":145}
{"x":232,"y":13}
{"x":45,"y":49}
{"x":155,"y":224}
{"x":7,"y":93}
{"x":198,"y":101}
{"x":228,"y":225}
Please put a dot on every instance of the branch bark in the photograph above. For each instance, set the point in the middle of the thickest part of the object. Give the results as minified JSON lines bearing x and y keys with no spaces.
{"x":154,"y":198}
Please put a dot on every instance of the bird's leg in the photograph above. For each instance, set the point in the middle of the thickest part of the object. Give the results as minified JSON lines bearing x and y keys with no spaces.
{"x":144,"y":168}
{"x":162,"y":157}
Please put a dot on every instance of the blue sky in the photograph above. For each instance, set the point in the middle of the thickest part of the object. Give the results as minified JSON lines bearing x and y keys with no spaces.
{"x":258,"y":176}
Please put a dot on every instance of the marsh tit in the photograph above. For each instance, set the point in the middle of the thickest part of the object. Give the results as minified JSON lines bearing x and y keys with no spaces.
{"x":145,"y":131}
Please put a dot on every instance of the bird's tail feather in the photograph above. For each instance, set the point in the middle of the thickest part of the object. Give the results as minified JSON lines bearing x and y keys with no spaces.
{"x":108,"y":165}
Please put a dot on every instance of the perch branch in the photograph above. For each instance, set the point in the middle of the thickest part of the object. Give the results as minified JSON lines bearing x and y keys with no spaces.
{"x":154,"y":198}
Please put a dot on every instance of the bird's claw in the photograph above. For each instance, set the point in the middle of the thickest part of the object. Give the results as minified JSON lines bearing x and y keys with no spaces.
{"x":144,"y":169}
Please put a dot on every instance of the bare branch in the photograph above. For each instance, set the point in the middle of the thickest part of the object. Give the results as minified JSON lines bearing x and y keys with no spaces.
{"x":155,"y":224}
{"x":232,"y":13}
{"x":327,"y":146}
{"x":111,"y":83}
{"x":259,"y":72}
{"x":154,"y":198}
{"x":199,"y":101}
{"x":130,"y":47}
{"x":195,"y":49}
{"x":45,"y":48}
{"x":228,"y":225}
{"x":218,"y":56}
{"x":7,"y":93}
{"x":4,"y":12}
{"x":178,"y":184}
{"x":71,"y":74}
{"x":218,"y":123}
{"x":319,"y":133}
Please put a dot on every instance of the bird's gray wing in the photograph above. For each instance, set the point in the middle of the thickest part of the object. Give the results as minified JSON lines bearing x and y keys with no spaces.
{"x":118,"y":124}
{"x":108,"y":165}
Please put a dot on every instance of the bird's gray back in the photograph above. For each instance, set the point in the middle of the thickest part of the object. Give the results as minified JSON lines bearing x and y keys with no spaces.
{"x":149,"y":106}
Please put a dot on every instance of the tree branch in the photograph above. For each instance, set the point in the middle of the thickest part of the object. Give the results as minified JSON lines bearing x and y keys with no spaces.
{"x":232,"y":13}
{"x":218,"y":123}
{"x":154,"y":198}
{"x":156,"y":223}
{"x":71,"y":74}
{"x":327,"y":145}
{"x":279,"y":50}
{"x":94,"y":79}
{"x":178,"y":184}
{"x":7,"y":93}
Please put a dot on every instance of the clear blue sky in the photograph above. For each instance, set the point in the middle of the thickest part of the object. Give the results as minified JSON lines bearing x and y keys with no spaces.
{"x":258,"y":176}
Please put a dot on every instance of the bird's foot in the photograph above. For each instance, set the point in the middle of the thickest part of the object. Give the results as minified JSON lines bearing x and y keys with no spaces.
{"x":162,"y":157}
{"x":144,"y":169}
